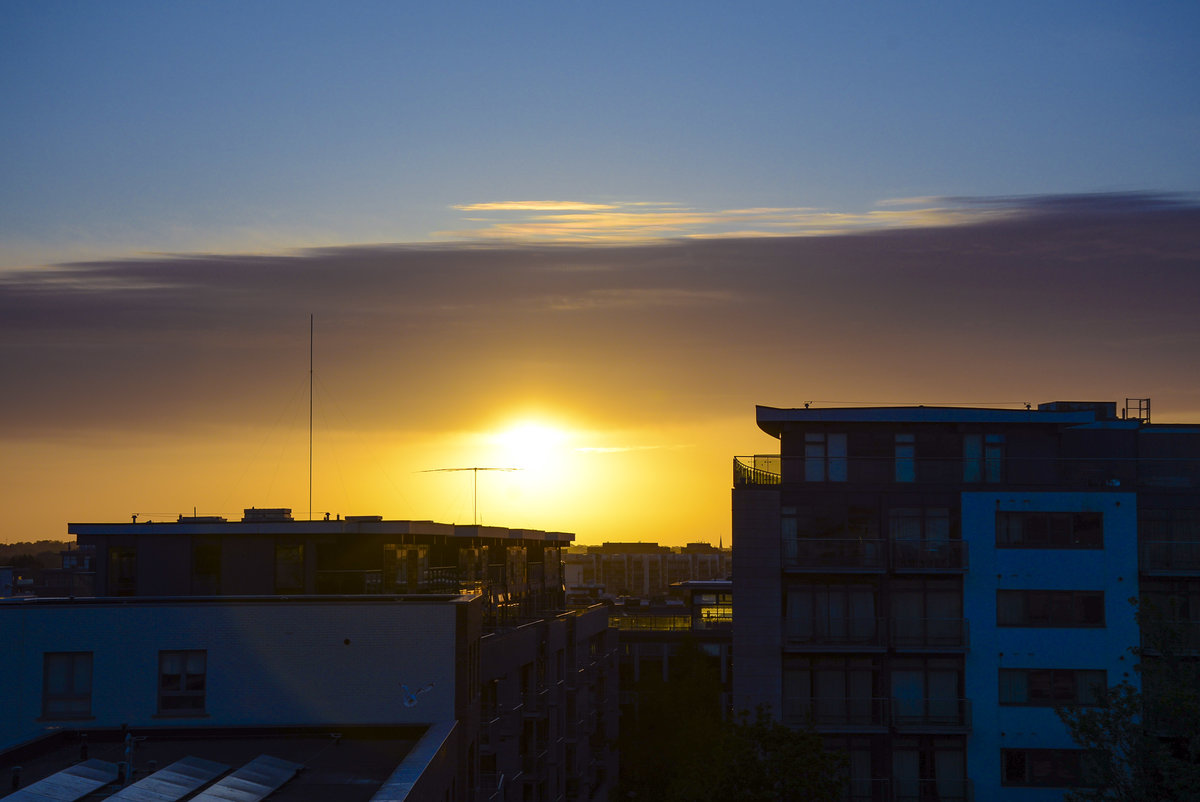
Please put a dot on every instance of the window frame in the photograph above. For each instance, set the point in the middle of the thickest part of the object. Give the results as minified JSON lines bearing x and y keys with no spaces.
{"x":1043,"y":608}
{"x":983,"y":458}
{"x":78,"y":703}
{"x":825,"y":457}
{"x":1022,"y":529}
{"x":1054,"y":679}
{"x":905,"y":462}
{"x":197,"y":680}
{"x":1069,"y":768}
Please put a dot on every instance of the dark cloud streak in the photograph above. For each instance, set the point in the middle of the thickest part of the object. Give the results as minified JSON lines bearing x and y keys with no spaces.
{"x":430,"y":334}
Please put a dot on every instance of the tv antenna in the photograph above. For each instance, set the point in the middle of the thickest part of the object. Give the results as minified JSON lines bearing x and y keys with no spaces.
{"x":475,"y":471}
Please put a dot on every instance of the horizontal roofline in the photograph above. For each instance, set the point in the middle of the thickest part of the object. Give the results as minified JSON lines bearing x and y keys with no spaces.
{"x":335,"y":527}
{"x":774,"y":420}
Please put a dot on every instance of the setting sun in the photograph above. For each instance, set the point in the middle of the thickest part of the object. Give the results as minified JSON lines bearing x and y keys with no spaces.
{"x":530,"y":445}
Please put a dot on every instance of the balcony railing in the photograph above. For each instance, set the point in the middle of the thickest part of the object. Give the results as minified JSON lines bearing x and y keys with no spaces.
{"x":926,"y":634}
{"x":836,"y":633}
{"x":843,"y":554}
{"x":1171,"y":557}
{"x":757,"y":470}
{"x":837,"y":713}
{"x":929,"y":555}
{"x":931,"y":715}
{"x":948,"y":790}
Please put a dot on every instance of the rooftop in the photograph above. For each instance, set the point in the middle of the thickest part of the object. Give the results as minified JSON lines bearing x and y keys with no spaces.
{"x":349,"y":764}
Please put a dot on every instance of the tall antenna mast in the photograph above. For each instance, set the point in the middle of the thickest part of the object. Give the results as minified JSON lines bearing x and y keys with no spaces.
{"x":475,"y":472}
{"x":310,"y":410}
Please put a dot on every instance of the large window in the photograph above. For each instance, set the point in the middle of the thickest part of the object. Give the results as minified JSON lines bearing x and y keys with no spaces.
{"x":983,"y":458}
{"x":1049,"y":530}
{"x":824,"y":457}
{"x":1051,"y":687}
{"x":122,"y":571}
{"x":182,"y":682}
{"x":1057,"y":768}
{"x":1050,"y":608}
{"x":838,"y":691}
{"x":927,"y":691}
{"x":67,"y":685}
{"x":289,"y":568}
{"x":832,"y":614}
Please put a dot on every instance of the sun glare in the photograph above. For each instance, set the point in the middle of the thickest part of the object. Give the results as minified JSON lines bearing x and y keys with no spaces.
{"x":530,"y":445}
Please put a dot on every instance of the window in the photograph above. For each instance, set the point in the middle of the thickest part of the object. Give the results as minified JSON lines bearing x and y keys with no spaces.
{"x":832,"y":691}
{"x":181,"y":682}
{"x":1049,"y":530}
{"x":832,"y":614}
{"x":1050,"y":608}
{"x":906,"y":458}
{"x":824,"y":457}
{"x":122,"y":571}
{"x":289,"y":568}
{"x":927,"y":691}
{"x":206,"y":568}
{"x":67,"y":685}
{"x":983,"y":458}
{"x":1044,"y":767}
{"x":1051,"y":687}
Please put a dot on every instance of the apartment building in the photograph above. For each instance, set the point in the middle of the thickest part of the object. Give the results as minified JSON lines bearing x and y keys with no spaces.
{"x":535,"y":714}
{"x":925,"y":584}
{"x":641,"y":570}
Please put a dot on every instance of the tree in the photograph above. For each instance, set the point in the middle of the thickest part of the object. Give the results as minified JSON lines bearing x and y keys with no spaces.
{"x":1144,"y":745}
{"x":680,"y":748}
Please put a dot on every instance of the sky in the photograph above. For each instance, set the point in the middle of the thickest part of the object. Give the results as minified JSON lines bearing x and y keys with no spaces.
{"x":575,"y":241}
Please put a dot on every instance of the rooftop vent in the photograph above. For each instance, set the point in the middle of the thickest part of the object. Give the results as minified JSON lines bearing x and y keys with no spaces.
{"x":257,"y":515}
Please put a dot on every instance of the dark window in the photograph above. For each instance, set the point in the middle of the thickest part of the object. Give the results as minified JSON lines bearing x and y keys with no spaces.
{"x":206,"y":568}
{"x":122,"y":571}
{"x":906,"y":458}
{"x":1045,"y":767}
{"x":67,"y":685}
{"x":824,"y":457}
{"x":1050,"y":687}
{"x":289,"y":568}
{"x":983,"y":458}
{"x":1049,"y":530}
{"x":1050,"y":608}
{"x":182,"y":682}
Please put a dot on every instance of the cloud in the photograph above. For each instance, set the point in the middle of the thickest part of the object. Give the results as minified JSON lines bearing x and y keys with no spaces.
{"x":640,"y":221}
{"x":527,"y":206}
{"x":1092,"y":296}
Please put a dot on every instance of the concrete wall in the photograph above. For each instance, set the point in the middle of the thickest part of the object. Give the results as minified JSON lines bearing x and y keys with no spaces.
{"x":757,"y":616}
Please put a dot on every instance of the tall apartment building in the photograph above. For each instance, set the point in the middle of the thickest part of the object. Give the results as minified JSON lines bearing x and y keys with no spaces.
{"x":924,"y":585}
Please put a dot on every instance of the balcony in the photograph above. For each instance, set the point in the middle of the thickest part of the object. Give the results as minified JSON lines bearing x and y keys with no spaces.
{"x":1170,"y":557}
{"x":836,"y":634}
{"x":757,"y":471}
{"x":843,"y":555}
{"x":930,"y":634}
{"x":929,"y":556}
{"x":931,"y":715}
{"x":948,"y":790}
{"x":837,"y":714}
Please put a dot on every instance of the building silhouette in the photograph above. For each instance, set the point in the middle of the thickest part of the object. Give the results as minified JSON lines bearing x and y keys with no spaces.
{"x":923,"y":585}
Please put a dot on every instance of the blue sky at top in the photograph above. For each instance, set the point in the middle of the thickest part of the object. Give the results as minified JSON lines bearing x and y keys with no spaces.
{"x":248,"y":126}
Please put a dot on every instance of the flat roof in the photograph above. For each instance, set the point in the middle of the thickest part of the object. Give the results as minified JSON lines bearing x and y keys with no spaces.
{"x":349,"y":764}
{"x":186,"y":525}
{"x":774,"y":421}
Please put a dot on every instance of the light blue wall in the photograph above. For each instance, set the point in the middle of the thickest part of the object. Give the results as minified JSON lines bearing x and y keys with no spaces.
{"x":1112,"y":569}
{"x":268,"y":663}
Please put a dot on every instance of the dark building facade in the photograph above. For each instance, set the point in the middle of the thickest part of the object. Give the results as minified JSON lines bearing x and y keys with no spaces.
{"x":923,"y":584}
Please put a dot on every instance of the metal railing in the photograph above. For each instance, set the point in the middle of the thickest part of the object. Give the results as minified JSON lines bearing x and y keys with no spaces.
{"x":813,"y":554}
{"x":929,"y":555}
{"x":836,"y":712}
{"x":930,"y":633}
{"x":941,"y":715}
{"x":836,"y":633}
{"x":1170,"y":556}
